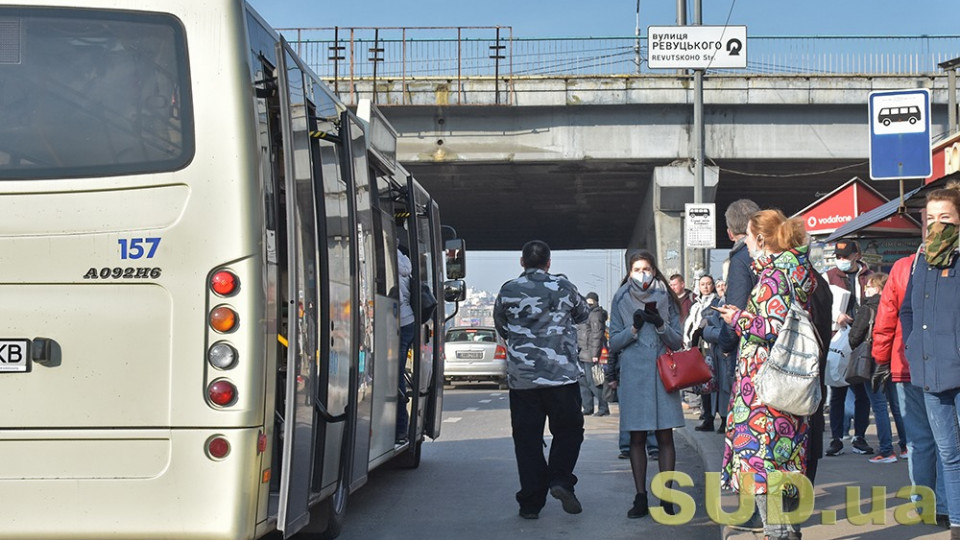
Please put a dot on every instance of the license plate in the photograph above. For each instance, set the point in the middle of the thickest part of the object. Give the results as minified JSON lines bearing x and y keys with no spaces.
{"x":14,"y":355}
{"x":470,"y":355}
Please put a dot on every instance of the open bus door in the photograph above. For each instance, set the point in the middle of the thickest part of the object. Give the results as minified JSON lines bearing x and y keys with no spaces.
{"x":302,"y":299}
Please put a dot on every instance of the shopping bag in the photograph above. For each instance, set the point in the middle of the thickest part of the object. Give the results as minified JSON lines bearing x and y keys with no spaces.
{"x":837,"y":359}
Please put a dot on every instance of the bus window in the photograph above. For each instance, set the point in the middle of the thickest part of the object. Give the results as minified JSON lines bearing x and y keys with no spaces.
{"x":89,"y":93}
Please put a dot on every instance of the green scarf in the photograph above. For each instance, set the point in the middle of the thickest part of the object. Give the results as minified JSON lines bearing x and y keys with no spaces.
{"x":940,"y":244}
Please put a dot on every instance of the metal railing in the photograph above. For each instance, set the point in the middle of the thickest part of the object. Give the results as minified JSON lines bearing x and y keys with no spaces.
{"x":402,"y":54}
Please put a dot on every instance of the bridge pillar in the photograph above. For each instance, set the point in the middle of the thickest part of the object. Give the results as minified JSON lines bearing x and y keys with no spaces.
{"x":671,"y":188}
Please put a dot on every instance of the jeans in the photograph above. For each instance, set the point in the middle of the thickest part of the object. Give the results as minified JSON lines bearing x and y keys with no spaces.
{"x":624,"y":442}
{"x":529,"y":410}
{"x":406,"y":339}
{"x":942,"y":411}
{"x":881,"y":415}
{"x":923,"y":461}
{"x":589,"y":390}
{"x":861,"y":417}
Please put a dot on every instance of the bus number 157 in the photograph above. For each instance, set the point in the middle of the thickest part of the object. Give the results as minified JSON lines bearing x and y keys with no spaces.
{"x":133,"y":248}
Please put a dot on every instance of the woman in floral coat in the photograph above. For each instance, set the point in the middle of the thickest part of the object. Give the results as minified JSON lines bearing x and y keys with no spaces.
{"x":761,"y":439}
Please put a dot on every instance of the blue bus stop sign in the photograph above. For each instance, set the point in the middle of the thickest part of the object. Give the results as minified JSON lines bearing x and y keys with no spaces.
{"x":900,"y":134}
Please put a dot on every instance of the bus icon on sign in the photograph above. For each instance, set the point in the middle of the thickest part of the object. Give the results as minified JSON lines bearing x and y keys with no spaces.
{"x":889,"y":115}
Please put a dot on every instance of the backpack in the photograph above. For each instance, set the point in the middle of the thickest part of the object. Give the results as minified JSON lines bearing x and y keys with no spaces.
{"x":789,"y":379}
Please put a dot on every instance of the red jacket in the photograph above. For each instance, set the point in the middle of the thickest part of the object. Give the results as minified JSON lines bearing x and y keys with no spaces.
{"x":887,"y":335}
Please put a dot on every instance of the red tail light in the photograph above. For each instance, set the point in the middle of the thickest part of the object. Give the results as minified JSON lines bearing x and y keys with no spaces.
{"x":222,"y":392}
{"x":218,"y":447}
{"x":501,"y":353}
{"x":224,"y":283}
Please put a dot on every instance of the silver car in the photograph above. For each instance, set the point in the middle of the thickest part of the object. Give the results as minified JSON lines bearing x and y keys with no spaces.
{"x":475,"y":354}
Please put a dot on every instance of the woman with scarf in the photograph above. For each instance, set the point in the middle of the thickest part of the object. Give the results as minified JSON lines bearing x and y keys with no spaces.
{"x":760,"y":440}
{"x":644,"y":320}
{"x":693,"y":336}
{"x":930,"y":317}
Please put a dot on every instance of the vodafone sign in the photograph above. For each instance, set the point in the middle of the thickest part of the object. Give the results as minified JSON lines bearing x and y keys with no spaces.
{"x":845,"y":203}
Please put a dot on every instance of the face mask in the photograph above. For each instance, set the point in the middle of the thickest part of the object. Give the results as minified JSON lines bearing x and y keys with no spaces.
{"x":844,"y":265}
{"x":870,"y":291}
{"x":940,"y":243}
{"x":756,"y":254}
{"x":643,"y":279}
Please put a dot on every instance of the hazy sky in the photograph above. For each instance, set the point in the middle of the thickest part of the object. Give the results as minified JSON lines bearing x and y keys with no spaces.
{"x":598,"y":270}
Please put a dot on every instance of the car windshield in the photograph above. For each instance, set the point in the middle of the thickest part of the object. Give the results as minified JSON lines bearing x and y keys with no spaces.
{"x":474,"y":335}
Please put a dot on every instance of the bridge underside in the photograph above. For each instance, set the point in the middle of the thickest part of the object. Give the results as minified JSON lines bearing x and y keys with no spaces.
{"x":598,"y":204}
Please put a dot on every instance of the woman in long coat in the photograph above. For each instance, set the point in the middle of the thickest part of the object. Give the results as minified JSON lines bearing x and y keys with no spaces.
{"x":759,"y":438}
{"x":644,"y":320}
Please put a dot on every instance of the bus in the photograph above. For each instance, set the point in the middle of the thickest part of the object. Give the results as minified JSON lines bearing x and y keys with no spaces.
{"x":198,"y":268}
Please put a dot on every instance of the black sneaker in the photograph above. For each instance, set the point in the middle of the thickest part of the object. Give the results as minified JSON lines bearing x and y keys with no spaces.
{"x":835,"y":448}
{"x":566,"y":497}
{"x":653,"y":454}
{"x":529,"y":514}
{"x":624,"y":455}
{"x":754,"y":524}
{"x":860,"y":446}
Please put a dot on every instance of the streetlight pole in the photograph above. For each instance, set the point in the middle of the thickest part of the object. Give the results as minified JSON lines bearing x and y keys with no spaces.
{"x":699,"y":255}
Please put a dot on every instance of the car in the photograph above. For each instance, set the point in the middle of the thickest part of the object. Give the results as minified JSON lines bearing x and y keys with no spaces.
{"x":475,"y":353}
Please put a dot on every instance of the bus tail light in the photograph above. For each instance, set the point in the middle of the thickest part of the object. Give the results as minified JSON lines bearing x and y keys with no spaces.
{"x":218,"y":447}
{"x":222,"y":392}
{"x":224,"y":283}
{"x":223,"y":319}
{"x":222,"y":356}
{"x":501,"y":353}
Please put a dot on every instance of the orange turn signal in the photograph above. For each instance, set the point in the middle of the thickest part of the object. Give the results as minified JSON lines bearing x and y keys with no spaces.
{"x":223,"y":319}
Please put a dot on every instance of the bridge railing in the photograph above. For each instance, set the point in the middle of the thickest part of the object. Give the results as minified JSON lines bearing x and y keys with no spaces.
{"x":347,"y":56}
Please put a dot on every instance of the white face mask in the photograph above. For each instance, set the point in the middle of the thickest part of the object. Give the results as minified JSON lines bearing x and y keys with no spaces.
{"x":642,"y":278}
{"x":870,"y":291}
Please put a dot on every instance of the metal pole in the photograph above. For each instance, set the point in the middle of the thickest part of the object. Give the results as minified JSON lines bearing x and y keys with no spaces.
{"x":636,"y":41}
{"x":699,"y":255}
{"x":952,"y":100}
{"x":403,"y":68}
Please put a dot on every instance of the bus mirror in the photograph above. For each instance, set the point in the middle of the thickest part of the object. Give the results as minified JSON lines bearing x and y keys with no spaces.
{"x":456,"y":258}
{"x":454,"y":290}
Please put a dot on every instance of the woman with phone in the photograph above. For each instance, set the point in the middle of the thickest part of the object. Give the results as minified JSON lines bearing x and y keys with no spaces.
{"x":644,"y":320}
{"x":760,"y":440}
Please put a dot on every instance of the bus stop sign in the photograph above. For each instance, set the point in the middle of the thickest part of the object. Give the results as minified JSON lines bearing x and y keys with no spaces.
{"x":900,"y":134}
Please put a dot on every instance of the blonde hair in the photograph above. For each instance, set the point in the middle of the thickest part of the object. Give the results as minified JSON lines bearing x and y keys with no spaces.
{"x":878,"y":280}
{"x":779,"y":233}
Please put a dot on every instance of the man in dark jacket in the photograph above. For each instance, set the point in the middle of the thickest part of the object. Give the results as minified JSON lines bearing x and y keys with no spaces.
{"x":590,"y":338}
{"x":850,"y":273}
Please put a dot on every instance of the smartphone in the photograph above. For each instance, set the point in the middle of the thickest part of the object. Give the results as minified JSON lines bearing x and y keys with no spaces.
{"x":650,"y":307}
{"x":715,"y":308}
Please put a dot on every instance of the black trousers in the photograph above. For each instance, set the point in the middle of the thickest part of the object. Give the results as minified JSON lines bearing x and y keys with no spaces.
{"x":529,"y":411}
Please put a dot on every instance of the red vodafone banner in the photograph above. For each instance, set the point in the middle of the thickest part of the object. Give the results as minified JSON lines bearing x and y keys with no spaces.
{"x":848,"y":201}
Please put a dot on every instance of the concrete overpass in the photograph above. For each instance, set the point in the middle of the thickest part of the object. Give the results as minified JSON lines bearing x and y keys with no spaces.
{"x":561,"y":145}
{"x":592,"y":162}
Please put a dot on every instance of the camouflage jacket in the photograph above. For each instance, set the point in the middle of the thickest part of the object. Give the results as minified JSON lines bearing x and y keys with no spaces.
{"x":536,"y":314}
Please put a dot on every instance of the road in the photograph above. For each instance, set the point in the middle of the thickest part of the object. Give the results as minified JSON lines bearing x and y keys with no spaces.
{"x":465,"y":485}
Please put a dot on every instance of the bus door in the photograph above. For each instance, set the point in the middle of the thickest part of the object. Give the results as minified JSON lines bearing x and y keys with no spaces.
{"x":301,"y":298}
{"x":355,"y":163}
{"x":431,"y":425}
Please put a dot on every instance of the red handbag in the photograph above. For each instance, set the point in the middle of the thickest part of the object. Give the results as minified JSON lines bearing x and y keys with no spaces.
{"x":683,"y":369}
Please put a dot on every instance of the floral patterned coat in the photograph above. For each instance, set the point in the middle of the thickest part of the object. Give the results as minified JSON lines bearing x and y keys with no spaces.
{"x":760,"y":439}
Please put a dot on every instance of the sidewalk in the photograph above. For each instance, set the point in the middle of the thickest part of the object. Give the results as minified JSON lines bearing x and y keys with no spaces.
{"x":834,"y":475}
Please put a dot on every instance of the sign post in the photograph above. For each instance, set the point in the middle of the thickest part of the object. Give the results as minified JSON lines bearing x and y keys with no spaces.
{"x":900,"y":134}
{"x":700,"y":225}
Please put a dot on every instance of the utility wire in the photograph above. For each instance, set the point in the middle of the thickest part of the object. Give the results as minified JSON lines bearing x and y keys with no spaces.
{"x":791,"y":175}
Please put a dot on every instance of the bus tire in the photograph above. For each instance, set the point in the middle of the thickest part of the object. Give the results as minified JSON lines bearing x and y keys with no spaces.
{"x":411,"y":458}
{"x":327,"y":517}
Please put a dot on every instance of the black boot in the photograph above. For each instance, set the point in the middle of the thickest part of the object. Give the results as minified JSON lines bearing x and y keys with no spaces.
{"x":640,"y":507}
{"x":723,"y":426}
{"x":706,"y":425}
{"x":669,"y":508}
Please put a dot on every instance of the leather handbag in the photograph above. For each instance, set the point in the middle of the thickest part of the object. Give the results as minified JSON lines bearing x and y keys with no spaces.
{"x":683,"y":369}
{"x":860,"y":367}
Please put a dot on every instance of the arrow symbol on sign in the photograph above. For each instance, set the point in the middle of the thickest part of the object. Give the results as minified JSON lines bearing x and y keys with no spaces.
{"x":734,"y":46}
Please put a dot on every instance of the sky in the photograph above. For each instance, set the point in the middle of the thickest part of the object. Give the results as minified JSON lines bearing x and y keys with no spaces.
{"x":583,"y":18}
{"x":596,"y":270}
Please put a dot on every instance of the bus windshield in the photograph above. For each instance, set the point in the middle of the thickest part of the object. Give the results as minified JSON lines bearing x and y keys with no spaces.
{"x":92,"y":93}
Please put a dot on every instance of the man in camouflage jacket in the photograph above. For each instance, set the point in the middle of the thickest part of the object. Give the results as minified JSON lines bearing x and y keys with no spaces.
{"x":536,"y":314}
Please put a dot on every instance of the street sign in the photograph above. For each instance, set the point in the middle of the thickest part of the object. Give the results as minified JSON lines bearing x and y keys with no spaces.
{"x":700,"y":225}
{"x":696,"y":47}
{"x":900,"y":134}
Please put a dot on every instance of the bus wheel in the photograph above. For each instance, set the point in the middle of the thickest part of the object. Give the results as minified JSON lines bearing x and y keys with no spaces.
{"x":327,"y":517}
{"x":411,"y":458}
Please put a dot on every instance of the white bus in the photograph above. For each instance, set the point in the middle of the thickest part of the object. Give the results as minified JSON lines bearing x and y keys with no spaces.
{"x":198,"y":276}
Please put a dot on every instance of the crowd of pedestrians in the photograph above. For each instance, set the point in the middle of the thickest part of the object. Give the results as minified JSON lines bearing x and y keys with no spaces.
{"x":906,"y":323}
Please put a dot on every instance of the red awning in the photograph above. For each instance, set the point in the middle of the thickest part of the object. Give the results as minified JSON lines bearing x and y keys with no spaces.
{"x":842,"y":205}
